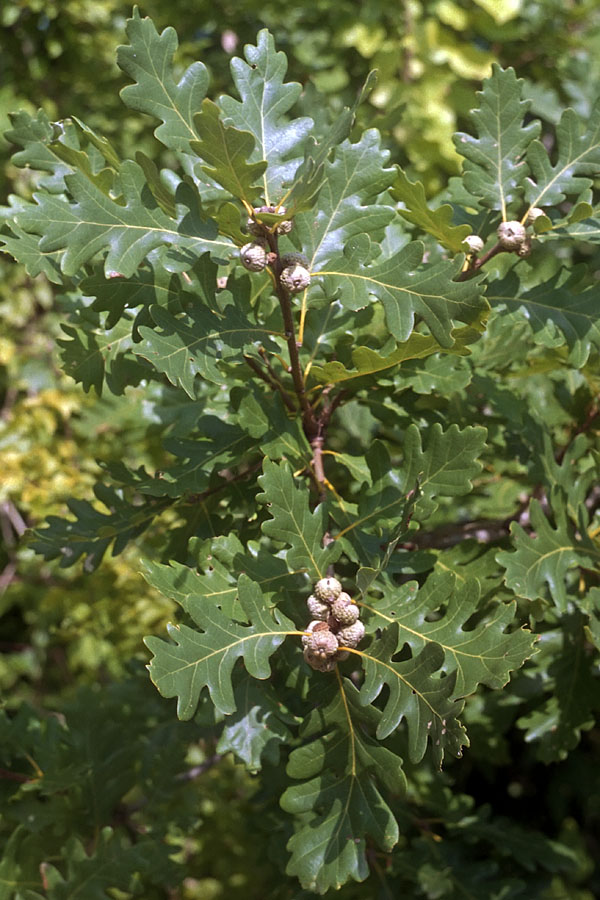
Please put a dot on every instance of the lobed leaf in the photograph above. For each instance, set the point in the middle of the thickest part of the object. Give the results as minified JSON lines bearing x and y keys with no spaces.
{"x":194,"y":344}
{"x":557,"y":305}
{"x":148,"y":60}
{"x":292,"y":522}
{"x":438,"y":613}
{"x":405,"y":288}
{"x":338,"y":802}
{"x":198,"y":659}
{"x":92,"y":532}
{"x":96,"y":223}
{"x":265,"y":99}
{"x":495,"y":167}
{"x":435,"y":222}
{"x":543,"y":560}
{"x":352,"y":182}
{"x":577,"y":162}
{"x":426,"y":702}
{"x":227,"y":150}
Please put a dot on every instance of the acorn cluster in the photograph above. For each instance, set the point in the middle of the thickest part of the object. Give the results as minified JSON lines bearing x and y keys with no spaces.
{"x":512,"y":236}
{"x":294,"y":275}
{"x":335,"y":625}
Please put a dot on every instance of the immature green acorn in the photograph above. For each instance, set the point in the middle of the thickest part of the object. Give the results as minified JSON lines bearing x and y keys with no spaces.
{"x":474,"y":243}
{"x":254,"y":256}
{"x":294,"y":259}
{"x":295,"y":278}
{"x":511,"y":235}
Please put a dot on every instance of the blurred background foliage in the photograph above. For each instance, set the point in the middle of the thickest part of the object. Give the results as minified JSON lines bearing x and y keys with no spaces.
{"x":64,"y":636}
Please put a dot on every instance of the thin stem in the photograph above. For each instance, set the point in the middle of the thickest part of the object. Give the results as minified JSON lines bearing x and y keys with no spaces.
{"x":271,"y":380}
{"x":308,"y":416}
{"x":481,"y":261}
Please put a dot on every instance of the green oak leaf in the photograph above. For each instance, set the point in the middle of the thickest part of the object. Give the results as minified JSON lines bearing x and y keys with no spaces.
{"x":438,"y":612}
{"x":435,"y":222}
{"x":265,"y":100}
{"x":36,"y":135}
{"x":417,"y":694}
{"x":348,"y":203}
{"x":148,"y":60}
{"x":95,"y":223}
{"x":569,"y":674}
{"x":198,"y":659}
{"x":443,"y":466}
{"x":368,"y":362}
{"x":405,"y":288}
{"x":556,"y":306}
{"x":576,"y":164}
{"x":191,"y":345}
{"x":255,"y":731}
{"x":96,"y":356}
{"x":92,"y":532}
{"x":25,"y":249}
{"x":226,"y":151}
{"x":339,"y":802}
{"x":292,"y":522}
{"x":198,"y":462}
{"x":495,"y":168}
{"x":110,"y":866}
{"x":542,"y":561}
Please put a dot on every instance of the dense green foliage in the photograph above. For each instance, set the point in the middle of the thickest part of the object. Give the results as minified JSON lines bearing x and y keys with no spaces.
{"x":421,"y":420}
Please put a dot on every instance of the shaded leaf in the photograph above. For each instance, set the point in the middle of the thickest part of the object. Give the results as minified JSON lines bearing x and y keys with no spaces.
{"x":190,"y":345}
{"x":339,"y":802}
{"x":92,"y":532}
{"x":555,"y":307}
{"x":255,"y":731}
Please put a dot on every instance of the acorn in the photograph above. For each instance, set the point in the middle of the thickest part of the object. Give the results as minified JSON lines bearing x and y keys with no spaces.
{"x":534,"y":214}
{"x":327,"y":589}
{"x":295,"y":278}
{"x":346,"y":613}
{"x":254,"y":256}
{"x":318,"y":609}
{"x":322,"y":644}
{"x":352,"y":635}
{"x":474,"y":243}
{"x":511,"y":235}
